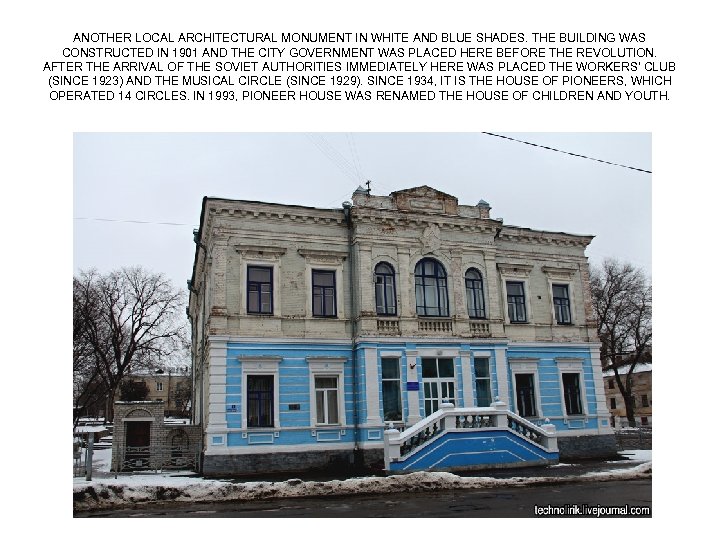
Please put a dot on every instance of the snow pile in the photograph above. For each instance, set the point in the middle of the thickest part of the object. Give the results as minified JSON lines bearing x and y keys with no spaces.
{"x":138,"y":489}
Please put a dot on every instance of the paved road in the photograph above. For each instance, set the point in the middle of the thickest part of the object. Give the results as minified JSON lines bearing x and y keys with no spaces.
{"x":507,"y":502}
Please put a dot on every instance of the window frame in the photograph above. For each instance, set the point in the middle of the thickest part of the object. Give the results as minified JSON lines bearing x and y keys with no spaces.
{"x":398,"y":380}
{"x":313,"y":273}
{"x":272,"y":401}
{"x":326,"y":367}
{"x":567,"y":305}
{"x":325,"y":391}
{"x":264,"y":256}
{"x":572,"y":365}
{"x":523,"y":296}
{"x":440,"y":286}
{"x":388,"y":278}
{"x":442,"y":382}
{"x":260,"y":365}
{"x":248,"y":268}
{"x":579,"y":397}
{"x":533,"y":395}
{"x":526,"y":366}
{"x":487,"y":378}
{"x":158,"y":386}
{"x":476,"y":293}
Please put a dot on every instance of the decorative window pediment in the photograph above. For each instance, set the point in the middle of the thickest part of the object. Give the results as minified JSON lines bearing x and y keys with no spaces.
{"x":558,"y":272}
{"x":515,"y":269}
{"x":322,"y":256}
{"x":254,"y":251}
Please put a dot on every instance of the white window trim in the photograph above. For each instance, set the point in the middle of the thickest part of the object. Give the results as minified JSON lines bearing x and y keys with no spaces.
{"x":261,"y":365}
{"x":572,"y":365}
{"x":275,"y":265}
{"x":516,"y":272}
{"x":561,"y":276}
{"x":327,"y":367}
{"x":522,"y":366}
{"x":571,"y":299}
{"x":329,"y":261}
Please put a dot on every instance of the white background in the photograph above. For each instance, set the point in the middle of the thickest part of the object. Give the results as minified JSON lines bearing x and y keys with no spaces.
{"x":37,"y":207}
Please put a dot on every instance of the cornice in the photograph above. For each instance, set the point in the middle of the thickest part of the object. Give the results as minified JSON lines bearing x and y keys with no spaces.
{"x":386,"y":217}
{"x":279,"y":212}
{"x":530,"y":236}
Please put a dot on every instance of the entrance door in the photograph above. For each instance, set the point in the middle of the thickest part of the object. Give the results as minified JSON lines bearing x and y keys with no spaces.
{"x":137,"y":445}
{"x":438,"y":375}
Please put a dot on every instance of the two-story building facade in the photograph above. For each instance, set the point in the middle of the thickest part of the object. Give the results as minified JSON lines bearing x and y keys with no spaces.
{"x":313,"y":330}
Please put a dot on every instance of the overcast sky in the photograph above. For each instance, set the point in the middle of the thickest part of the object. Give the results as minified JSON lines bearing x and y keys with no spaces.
{"x":161,"y":178}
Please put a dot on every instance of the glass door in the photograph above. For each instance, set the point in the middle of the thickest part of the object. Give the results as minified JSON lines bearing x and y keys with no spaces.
{"x":438,"y":375}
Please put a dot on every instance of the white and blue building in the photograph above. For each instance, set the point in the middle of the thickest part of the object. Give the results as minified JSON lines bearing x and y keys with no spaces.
{"x":402,"y":332}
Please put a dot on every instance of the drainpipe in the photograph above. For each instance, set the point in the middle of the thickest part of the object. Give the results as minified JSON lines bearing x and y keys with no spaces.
{"x":357,"y":454}
{"x":198,"y":382}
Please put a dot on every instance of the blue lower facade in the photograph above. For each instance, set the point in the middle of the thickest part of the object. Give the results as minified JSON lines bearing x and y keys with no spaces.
{"x":317,"y":397}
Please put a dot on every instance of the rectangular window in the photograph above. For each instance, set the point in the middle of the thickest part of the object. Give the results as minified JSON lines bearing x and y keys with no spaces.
{"x":392,"y":402}
{"x":516,"y":302}
{"x":260,"y":290}
{"x":645,"y":401}
{"x":482,"y":382}
{"x":323,"y":285}
{"x":561,"y":301}
{"x":326,"y":400}
{"x":613,"y":403}
{"x":643,"y":421}
{"x":611,"y":384}
{"x":572,"y":393}
{"x":159,"y":387}
{"x":260,"y":406}
{"x":525,"y":394}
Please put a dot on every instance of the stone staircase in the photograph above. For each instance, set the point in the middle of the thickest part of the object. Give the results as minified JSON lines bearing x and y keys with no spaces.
{"x":470,"y":438}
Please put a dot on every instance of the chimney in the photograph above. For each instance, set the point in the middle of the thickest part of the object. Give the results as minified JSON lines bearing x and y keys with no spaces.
{"x":484,"y":209}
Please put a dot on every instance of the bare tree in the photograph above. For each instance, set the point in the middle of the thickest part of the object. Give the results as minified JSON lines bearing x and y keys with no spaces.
{"x":183,"y":397}
{"x":125,"y":320}
{"x":622,"y":300}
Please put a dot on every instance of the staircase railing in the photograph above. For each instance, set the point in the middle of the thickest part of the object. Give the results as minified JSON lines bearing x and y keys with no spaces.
{"x":449,"y":418}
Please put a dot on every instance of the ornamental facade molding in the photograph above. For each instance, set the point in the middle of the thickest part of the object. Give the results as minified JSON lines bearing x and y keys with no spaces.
{"x":322,"y":256}
{"x":557,"y":272}
{"x":515,"y":269}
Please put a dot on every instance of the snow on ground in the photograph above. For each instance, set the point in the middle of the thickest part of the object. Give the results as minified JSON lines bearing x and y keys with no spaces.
{"x":106,"y":491}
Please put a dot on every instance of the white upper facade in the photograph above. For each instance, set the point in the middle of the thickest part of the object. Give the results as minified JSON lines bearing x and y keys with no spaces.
{"x":412,"y":264}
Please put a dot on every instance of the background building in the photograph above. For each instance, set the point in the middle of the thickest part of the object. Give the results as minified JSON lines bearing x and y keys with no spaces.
{"x":170,"y":385}
{"x":315,"y":329}
{"x":641,"y":392}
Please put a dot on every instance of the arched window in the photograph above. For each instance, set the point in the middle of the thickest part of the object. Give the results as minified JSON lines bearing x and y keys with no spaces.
{"x":474,"y":294}
{"x":385,"y":303}
{"x":431,"y":294}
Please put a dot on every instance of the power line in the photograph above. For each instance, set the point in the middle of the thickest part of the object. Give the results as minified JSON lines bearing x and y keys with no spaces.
{"x":333,"y":155}
{"x":565,"y":152}
{"x":137,"y":221}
